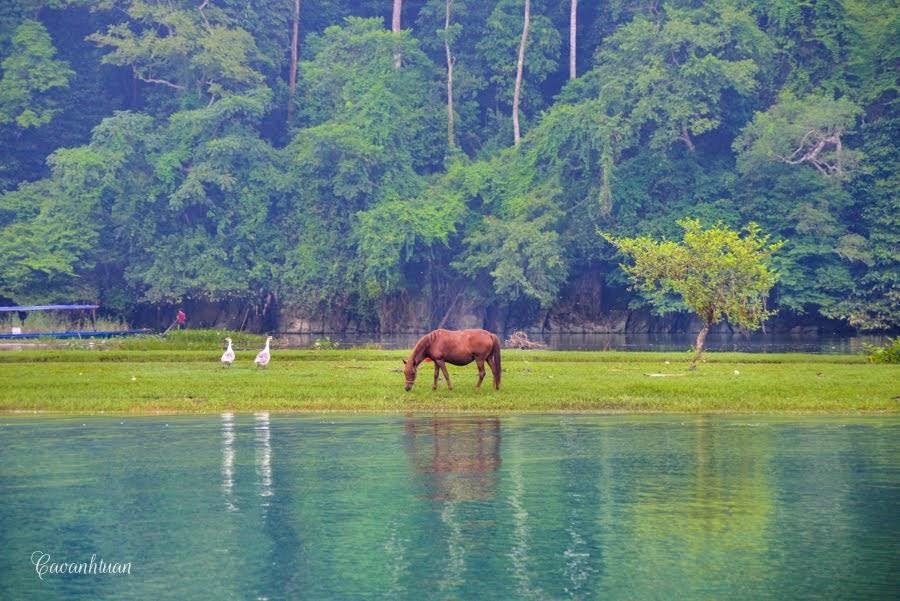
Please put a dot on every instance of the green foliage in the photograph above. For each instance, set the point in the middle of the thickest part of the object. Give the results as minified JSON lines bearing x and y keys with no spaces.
{"x":716,"y":272}
{"x":182,"y":49}
{"x":155,"y":162}
{"x":872,"y":52}
{"x":390,"y":234}
{"x":352,"y":83}
{"x":523,"y":258}
{"x":188,"y":340}
{"x":499,"y":49}
{"x":812,"y":38}
{"x":32,"y":78}
{"x":48,"y":241}
{"x":873,"y":302}
{"x":325,"y":344}
{"x":797,"y":131}
{"x":511,"y":248}
{"x":805,"y":209}
{"x":670,"y":74}
{"x":889,"y":353}
{"x":372,"y":136}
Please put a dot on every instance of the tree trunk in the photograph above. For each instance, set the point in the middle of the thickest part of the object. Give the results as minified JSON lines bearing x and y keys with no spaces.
{"x":698,"y":346}
{"x":686,"y":138}
{"x":451,"y":140}
{"x":449,"y":309}
{"x":573,"y":20}
{"x":519,"y":68}
{"x":292,"y":78}
{"x":395,"y":27}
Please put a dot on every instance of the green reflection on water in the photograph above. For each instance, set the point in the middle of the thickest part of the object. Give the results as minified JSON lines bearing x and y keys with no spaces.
{"x":246,"y":506}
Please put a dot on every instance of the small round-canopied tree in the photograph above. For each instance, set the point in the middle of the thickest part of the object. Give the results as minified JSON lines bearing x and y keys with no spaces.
{"x":718,"y":273}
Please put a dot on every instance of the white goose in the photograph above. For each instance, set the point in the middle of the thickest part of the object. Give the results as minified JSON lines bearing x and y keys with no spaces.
{"x":228,"y":355}
{"x":262,"y":358}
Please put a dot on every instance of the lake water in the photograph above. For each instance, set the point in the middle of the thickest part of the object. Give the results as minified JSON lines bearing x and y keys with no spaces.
{"x":260,"y":506}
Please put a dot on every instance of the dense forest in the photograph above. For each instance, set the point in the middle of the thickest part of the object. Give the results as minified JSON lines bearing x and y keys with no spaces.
{"x":377,"y":164}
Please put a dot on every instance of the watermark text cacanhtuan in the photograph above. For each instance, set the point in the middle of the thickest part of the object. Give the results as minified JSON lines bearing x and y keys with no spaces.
{"x":44,"y":566}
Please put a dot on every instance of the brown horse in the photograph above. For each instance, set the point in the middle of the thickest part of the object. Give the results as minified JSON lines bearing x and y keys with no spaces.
{"x":457,"y":348}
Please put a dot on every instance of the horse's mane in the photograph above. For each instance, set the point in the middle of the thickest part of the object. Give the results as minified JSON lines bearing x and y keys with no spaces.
{"x":421,"y":344}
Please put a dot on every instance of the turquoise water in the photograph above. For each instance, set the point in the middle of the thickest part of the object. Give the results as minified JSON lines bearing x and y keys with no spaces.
{"x":277,"y":506}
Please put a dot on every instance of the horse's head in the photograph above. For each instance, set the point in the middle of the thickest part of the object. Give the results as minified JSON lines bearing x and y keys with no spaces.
{"x":409,"y":370}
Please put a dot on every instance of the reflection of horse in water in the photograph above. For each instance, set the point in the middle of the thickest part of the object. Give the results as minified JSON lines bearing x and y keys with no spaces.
{"x":457,"y":458}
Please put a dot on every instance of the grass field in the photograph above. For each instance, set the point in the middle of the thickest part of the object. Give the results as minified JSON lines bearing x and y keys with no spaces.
{"x":157,"y":379}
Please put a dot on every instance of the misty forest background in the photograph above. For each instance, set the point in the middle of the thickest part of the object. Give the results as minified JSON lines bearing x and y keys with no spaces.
{"x":174,"y":153}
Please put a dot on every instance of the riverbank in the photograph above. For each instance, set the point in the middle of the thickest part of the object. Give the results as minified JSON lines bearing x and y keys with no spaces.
{"x":149,"y":381}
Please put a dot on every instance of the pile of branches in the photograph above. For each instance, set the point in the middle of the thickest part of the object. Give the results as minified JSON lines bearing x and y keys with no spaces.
{"x":519,"y":339}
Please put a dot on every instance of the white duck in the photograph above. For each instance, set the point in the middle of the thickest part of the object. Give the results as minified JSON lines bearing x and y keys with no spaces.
{"x":228,"y":355}
{"x":262,"y":358}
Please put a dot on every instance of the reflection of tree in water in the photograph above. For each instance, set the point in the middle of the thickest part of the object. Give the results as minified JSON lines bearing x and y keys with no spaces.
{"x":697,"y":518}
{"x":456,"y":457}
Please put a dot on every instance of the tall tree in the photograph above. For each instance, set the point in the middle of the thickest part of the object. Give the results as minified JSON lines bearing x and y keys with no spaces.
{"x":801,"y":131}
{"x":522,"y":256}
{"x":573,"y":37}
{"x":451,"y":139}
{"x":520,"y":66}
{"x":373,"y":135}
{"x":716,"y":272}
{"x":674,"y":75}
{"x":292,"y":78}
{"x":183,"y":50}
{"x":461,"y":34}
{"x":395,"y":28}
{"x":499,"y":59}
{"x":31,"y":75}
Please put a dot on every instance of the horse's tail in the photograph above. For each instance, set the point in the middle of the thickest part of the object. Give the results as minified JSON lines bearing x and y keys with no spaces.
{"x":495,"y":353}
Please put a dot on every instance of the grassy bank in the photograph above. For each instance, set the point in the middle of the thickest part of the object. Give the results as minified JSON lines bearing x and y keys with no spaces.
{"x":173,"y":380}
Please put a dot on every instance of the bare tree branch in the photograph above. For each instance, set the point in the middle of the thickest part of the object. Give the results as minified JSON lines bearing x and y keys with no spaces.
{"x":821,"y":142}
{"x":686,"y":138}
{"x":163,"y":82}
{"x":202,"y":14}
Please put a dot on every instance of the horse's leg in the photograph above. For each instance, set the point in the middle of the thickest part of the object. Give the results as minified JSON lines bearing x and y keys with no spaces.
{"x":446,"y":375}
{"x":480,"y":362}
{"x":495,"y":370}
{"x":437,"y":371}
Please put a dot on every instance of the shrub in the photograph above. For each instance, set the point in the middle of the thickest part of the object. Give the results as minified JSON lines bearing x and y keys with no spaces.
{"x":325,"y":344}
{"x":889,"y":353}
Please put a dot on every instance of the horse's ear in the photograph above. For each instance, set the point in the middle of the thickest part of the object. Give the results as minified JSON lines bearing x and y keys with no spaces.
{"x":404,"y":361}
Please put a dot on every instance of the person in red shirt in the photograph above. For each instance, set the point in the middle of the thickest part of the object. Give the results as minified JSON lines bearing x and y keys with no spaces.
{"x":181,"y":318}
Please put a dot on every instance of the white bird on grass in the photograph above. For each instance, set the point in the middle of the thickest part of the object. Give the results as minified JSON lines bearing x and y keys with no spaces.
{"x":228,"y":355}
{"x":262,"y":358}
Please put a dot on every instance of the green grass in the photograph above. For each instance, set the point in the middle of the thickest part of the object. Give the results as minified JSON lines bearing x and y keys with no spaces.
{"x":174,"y":340}
{"x":186,"y":340}
{"x":140,"y":381}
